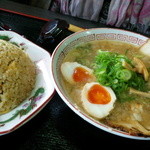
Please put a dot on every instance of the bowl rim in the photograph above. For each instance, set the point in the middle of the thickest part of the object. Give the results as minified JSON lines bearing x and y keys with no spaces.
{"x":92,"y":29}
{"x":84,"y":116}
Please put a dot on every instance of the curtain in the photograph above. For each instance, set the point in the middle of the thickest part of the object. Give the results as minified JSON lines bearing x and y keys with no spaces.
{"x":128,"y":14}
{"x":86,"y":9}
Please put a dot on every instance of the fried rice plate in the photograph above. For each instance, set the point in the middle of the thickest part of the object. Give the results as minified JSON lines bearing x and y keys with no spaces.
{"x":17,"y":76}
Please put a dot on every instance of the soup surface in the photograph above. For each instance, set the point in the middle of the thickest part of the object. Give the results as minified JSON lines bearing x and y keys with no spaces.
{"x":130,"y":111}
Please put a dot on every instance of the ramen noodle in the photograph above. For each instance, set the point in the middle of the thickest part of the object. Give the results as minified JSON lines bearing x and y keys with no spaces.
{"x":17,"y":76}
{"x":132,"y":112}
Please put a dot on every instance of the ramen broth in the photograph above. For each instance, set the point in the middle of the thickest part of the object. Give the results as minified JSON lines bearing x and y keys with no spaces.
{"x":122,"y":113}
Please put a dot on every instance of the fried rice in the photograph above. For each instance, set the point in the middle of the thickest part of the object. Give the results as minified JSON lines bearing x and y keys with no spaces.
{"x":17,"y":76}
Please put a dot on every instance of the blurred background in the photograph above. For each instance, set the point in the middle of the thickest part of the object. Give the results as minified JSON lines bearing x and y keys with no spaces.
{"x":127,"y":14}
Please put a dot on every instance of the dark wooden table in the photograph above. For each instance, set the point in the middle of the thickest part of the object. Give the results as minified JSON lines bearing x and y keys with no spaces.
{"x":56,"y":126}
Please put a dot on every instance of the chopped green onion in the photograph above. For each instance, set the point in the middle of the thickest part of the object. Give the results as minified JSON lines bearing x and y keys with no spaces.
{"x":109,"y":71}
{"x":124,"y":74}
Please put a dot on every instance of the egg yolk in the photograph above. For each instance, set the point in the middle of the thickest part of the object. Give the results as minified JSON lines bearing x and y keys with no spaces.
{"x":98,"y":95}
{"x":81,"y":75}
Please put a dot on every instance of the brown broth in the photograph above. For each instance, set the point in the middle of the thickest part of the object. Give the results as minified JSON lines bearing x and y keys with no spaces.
{"x":85,"y":54}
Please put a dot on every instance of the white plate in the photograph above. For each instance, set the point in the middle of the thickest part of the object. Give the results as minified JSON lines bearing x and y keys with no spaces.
{"x":41,"y":94}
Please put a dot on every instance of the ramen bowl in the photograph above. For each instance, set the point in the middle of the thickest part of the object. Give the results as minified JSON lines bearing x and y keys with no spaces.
{"x":99,"y":34}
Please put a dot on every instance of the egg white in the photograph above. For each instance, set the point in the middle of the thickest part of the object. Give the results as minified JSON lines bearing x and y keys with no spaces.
{"x":97,"y":110}
{"x":67,"y":69}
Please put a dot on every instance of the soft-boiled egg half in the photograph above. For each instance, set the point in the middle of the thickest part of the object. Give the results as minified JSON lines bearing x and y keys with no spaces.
{"x":74,"y":73}
{"x":97,"y":100}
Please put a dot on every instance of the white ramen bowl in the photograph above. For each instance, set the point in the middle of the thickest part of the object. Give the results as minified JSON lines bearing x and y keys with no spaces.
{"x":87,"y":36}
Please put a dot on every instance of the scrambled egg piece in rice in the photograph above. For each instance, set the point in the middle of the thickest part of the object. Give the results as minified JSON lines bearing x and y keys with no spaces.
{"x":17,"y":76}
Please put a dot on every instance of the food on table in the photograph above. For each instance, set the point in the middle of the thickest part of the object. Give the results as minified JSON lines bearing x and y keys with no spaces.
{"x":17,"y":76}
{"x":109,"y":81}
